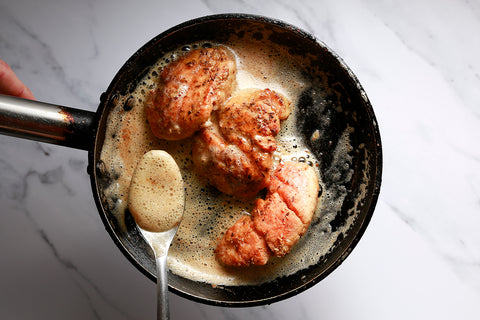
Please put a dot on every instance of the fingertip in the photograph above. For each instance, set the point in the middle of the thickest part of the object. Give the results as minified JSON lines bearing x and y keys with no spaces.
{"x":11,"y":85}
{"x":26,"y":94}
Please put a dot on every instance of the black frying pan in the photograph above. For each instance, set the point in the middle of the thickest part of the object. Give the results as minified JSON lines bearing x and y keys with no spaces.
{"x":343,"y":103}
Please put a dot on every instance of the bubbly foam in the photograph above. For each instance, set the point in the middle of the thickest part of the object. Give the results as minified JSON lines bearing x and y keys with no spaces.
{"x":156,"y":196}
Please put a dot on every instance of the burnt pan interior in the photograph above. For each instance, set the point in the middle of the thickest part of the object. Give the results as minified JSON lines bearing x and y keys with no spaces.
{"x":334,"y":102}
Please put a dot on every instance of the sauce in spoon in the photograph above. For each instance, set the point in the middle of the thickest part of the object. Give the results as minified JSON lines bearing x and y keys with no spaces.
{"x":156,"y":196}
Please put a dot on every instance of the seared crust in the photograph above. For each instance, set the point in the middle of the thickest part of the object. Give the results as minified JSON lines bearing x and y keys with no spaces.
{"x":235,"y":152}
{"x":189,"y":89}
{"x":297,"y":185}
{"x":226,"y":166}
{"x":242,"y":245}
{"x":251,"y":119}
{"x":279,"y":225}
{"x":282,"y":218}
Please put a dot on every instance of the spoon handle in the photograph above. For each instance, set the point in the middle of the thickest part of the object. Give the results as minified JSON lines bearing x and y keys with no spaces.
{"x":162,"y":288}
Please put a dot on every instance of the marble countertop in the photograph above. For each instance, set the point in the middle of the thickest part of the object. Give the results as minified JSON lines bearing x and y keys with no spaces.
{"x":418,"y":62}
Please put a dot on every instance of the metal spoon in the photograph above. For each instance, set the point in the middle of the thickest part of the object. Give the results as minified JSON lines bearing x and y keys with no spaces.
{"x":157,"y":202}
{"x":160,"y":243}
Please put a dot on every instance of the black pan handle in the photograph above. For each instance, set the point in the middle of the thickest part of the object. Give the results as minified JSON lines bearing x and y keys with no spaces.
{"x":46,"y":122}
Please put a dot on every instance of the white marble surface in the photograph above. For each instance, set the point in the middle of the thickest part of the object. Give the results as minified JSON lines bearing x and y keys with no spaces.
{"x":418,"y":62}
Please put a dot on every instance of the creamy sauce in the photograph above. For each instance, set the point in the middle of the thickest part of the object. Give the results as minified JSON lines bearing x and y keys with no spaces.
{"x":156,"y":195}
{"x":208,"y":213}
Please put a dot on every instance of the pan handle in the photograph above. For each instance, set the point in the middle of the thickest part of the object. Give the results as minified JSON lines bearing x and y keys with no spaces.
{"x":46,"y":122}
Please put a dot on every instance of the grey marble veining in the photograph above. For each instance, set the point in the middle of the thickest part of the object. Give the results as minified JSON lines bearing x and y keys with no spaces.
{"x":418,"y":62}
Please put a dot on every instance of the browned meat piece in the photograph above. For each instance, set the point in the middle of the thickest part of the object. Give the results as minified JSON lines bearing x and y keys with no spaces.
{"x":235,"y":152}
{"x":297,"y":185}
{"x":227,"y":167}
{"x":285,"y":214}
{"x":242,"y":245}
{"x":279,"y":225}
{"x":251,"y":119}
{"x":189,"y":89}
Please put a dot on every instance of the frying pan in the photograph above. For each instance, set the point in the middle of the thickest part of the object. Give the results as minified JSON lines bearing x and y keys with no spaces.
{"x":342,"y":105}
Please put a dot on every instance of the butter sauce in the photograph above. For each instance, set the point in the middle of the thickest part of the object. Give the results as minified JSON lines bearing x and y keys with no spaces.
{"x":156,"y":195}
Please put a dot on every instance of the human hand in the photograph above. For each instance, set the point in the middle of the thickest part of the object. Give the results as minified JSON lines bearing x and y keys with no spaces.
{"x":11,"y":85}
